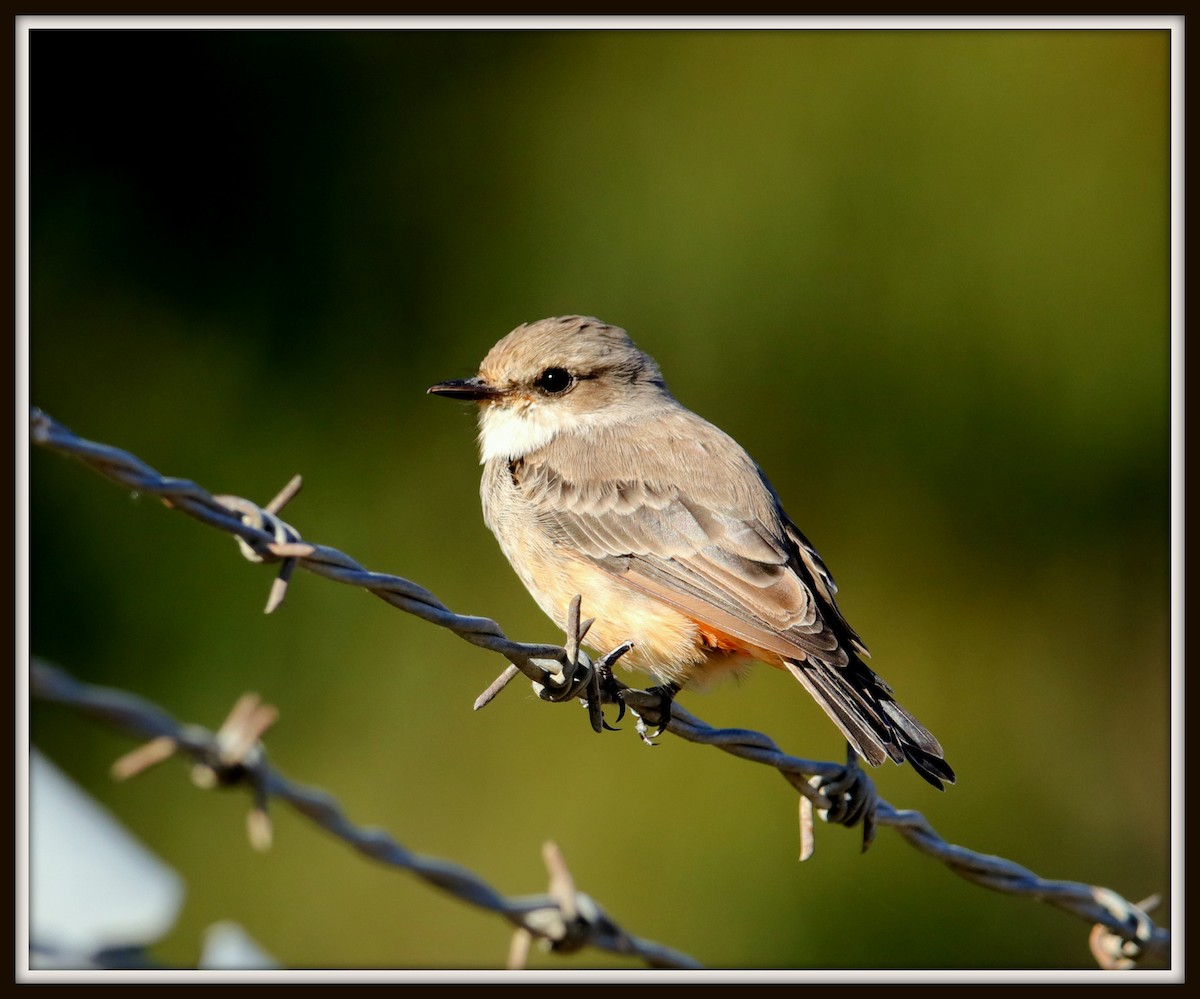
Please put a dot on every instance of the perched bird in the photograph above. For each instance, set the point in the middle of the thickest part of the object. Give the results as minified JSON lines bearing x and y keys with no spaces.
{"x":596,"y":481}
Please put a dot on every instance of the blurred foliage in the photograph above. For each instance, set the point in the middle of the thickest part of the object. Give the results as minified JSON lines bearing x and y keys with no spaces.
{"x":922,"y":275}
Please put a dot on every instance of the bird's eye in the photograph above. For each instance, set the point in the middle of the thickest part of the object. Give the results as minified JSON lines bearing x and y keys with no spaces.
{"x":554,"y":380}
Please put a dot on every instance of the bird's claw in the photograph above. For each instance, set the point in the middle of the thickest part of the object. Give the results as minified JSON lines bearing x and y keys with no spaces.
{"x":666,"y":696}
{"x":852,"y":798}
{"x":599,"y":694}
{"x":603,"y":688}
{"x":613,"y":696}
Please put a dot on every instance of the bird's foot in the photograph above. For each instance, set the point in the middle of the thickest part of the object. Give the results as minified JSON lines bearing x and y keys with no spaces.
{"x":666,"y":696}
{"x":604,"y":688}
{"x":852,"y":797}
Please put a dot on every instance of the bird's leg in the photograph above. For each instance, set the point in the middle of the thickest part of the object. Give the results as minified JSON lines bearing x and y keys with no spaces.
{"x":666,"y":695}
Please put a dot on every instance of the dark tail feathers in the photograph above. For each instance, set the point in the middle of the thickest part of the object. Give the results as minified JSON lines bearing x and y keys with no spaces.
{"x":861,"y":705}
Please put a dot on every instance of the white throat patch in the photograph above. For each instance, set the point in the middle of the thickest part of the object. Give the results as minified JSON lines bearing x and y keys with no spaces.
{"x":511,"y":432}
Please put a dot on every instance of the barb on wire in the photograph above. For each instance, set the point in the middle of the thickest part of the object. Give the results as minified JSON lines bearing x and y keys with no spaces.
{"x":841,"y":793}
{"x":557,"y":673}
{"x":564,"y":919}
{"x":268,"y":539}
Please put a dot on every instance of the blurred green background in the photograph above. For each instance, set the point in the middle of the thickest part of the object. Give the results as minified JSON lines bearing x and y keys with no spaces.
{"x":921,"y":275}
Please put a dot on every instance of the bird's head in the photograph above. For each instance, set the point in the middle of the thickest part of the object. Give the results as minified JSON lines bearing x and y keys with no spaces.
{"x":563,"y":375}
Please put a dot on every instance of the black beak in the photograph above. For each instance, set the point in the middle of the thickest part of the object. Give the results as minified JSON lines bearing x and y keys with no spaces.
{"x":470,"y":389}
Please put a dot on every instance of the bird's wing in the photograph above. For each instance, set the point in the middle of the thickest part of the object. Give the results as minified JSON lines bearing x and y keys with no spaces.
{"x":679,"y":511}
{"x":682,"y":513}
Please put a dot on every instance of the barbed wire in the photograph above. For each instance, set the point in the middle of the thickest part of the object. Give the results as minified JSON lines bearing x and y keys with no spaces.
{"x":565,"y":918}
{"x":1123,"y":934}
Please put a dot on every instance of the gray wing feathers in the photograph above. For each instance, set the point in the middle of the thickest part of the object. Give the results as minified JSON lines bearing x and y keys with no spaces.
{"x":722,"y":543}
{"x":733,"y":563}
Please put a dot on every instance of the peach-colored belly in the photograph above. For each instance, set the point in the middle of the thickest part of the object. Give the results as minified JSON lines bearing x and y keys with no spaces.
{"x":667,"y":644}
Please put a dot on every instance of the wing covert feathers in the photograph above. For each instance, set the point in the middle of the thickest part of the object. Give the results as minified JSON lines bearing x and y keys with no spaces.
{"x":722,"y":552}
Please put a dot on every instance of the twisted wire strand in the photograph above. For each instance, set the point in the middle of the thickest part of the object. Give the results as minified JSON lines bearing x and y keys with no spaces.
{"x":566,"y":920}
{"x":1124,"y":934}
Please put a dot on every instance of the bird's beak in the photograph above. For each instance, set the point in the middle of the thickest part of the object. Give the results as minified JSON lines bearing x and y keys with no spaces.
{"x":471,"y":389}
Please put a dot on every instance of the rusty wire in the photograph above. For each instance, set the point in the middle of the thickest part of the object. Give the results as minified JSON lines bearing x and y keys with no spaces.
{"x":1123,"y":934}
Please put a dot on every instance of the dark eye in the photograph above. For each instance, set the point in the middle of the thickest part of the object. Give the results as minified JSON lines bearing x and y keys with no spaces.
{"x":554,"y":380}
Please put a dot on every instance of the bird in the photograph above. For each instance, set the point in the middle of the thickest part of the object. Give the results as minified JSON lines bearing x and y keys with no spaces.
{"x":597,"y":481}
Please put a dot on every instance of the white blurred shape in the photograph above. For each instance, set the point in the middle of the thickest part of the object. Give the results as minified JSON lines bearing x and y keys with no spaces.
{"x":228,"y":946}
{"x":92,"y":885}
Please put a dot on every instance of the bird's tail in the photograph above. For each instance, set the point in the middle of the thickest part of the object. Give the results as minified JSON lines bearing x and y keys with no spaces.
{"x":861,"y":705}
